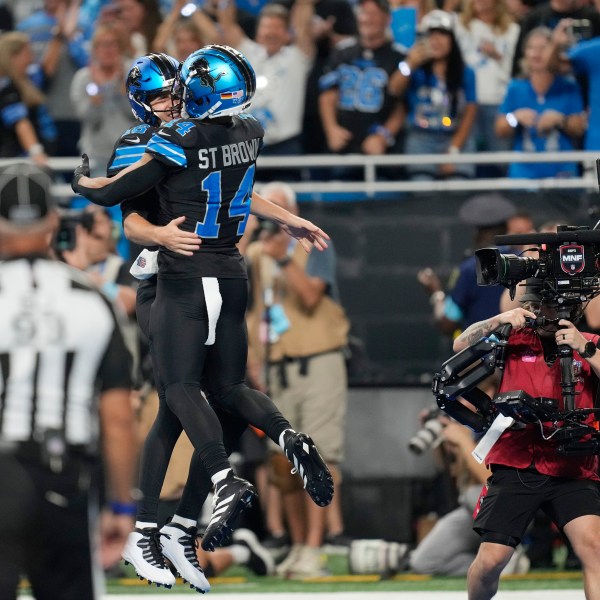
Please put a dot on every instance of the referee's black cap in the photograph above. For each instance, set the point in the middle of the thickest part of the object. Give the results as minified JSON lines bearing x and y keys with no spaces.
{"x":25,"y":195}
{"x":487,"y":210}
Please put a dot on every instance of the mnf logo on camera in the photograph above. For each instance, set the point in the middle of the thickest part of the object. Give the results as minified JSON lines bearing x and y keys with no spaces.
{"x":572,"y":260}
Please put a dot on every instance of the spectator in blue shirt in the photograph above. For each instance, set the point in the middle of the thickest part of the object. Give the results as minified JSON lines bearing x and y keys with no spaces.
{"x":60,"y":47}
{"x":439,"y":90}
{"x":583,"y":58}
{"x":543,"y":111}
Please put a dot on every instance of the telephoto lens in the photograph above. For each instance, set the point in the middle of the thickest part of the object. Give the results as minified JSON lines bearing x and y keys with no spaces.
{"x":429,"y":436}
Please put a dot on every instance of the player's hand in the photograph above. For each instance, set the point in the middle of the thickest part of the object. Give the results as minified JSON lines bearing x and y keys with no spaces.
{"x":307,"y":233}
{"x":177,"y":240}
{"x":83,"y":170}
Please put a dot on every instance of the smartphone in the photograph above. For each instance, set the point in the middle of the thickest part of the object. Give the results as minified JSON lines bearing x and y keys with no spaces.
{"x":580,"y":30}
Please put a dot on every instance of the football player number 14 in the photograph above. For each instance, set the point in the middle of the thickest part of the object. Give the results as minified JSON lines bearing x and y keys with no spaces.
{"x":238,"y":207}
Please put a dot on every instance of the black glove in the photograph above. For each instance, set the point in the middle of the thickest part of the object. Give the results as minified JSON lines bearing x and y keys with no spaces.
{"x":83,"y":170}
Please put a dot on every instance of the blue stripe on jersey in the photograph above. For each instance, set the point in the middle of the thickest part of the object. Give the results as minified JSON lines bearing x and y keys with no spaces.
{"x":167,"y":149}
{"x":126,"y":155}
{"x":13,"y":113}
{"x":329,"y":80}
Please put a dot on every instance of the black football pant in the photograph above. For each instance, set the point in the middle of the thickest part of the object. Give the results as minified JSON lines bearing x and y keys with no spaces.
{"x":45,"y":530}
{"x":185,"y":365}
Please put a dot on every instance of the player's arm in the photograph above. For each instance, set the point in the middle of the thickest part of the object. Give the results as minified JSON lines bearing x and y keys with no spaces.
{"x":136,"y":179}
{"x":307,"y":233}
{"x":140,"y":231}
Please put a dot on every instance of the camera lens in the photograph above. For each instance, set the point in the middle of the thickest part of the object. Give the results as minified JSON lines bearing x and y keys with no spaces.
{"x":426,"y":437}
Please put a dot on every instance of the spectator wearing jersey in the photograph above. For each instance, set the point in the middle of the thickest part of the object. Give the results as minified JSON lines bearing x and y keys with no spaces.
{"x":358,"y":113}
{"x":184,"y":30}
{"x":141,"y":19}
{"x":65,"y":376}
{"x":487,"y":36}
{"x":582,"y":58}
{"x":542,"y":112}
{"x":335,"y":21}
{"x":439,"y":90}
{"x":282,"y":62}
{"x":98,"y":93}
{"x":549,"y":14}
{"x":59,"y":44}
{"x":25,"y":126}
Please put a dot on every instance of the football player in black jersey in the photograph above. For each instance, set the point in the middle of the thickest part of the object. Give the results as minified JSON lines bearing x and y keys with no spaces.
{"x":149,"y":87}
{"x":204,"y":169}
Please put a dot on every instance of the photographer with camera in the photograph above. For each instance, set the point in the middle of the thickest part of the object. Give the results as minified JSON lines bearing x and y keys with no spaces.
{"x":451,"y":545}
{"x":527,"y":471}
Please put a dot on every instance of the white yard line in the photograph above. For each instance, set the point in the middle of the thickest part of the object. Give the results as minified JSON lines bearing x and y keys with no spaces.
{"x":506,"y":595}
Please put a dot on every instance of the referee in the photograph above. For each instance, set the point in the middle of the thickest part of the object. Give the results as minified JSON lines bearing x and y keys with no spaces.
{"x":64,"y":405}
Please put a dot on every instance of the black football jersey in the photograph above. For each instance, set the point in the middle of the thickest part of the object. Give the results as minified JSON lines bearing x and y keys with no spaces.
{"x":361,"y":77}
{"x":12,"y":110}
{"x":128,"y":149}
{"x":210,"y":183}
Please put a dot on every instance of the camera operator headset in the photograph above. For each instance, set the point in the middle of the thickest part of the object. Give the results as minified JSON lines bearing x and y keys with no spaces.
{"x":527,"y":472}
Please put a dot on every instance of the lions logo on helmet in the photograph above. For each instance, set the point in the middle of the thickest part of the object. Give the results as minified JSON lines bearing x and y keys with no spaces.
{"x":151,"y":76}
{"x":216,"y":81}
{"x":202,"y":69}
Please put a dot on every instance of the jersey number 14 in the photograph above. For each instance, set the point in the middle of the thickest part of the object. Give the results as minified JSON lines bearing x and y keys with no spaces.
{"x":238,"y":207}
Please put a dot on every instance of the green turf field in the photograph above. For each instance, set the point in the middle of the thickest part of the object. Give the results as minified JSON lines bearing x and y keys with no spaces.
{"x":240,"y":580}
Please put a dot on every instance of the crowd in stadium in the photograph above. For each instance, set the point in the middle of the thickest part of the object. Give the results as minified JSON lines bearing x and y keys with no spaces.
{"x":370,"y":77}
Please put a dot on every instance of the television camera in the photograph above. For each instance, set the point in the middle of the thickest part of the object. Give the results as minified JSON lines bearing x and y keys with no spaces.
{"x":65,"y":238}
{"x":566,"y":273}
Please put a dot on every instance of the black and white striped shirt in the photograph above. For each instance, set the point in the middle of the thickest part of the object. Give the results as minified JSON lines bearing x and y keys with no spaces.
{"x":60,"y":345}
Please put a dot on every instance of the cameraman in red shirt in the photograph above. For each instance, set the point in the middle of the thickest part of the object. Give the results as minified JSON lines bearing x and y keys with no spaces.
{"x":527,"y":471}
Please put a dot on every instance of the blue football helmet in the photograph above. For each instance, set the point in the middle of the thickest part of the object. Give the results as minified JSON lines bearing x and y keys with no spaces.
{"x":150,"y":76}
{"x":216,"y":81}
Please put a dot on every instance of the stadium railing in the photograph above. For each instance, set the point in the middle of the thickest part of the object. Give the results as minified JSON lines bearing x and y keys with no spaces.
{"x":371,"y":184}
